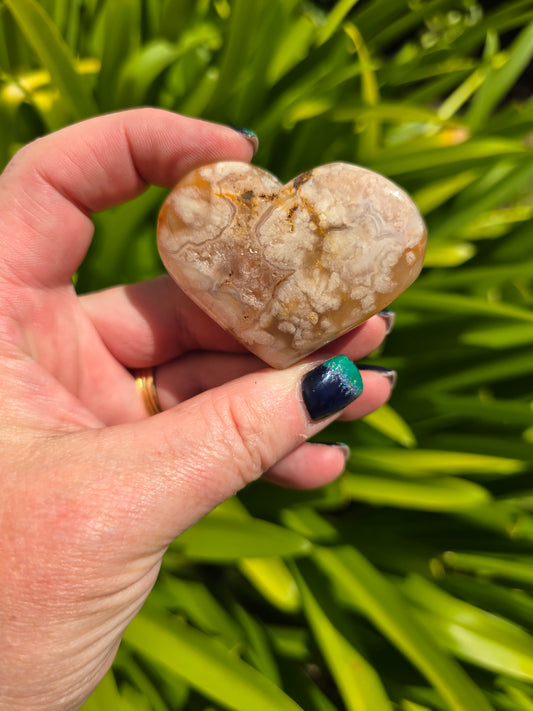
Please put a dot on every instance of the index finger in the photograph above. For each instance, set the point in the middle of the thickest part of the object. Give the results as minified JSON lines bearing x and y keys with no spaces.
{"x":50,"y":188}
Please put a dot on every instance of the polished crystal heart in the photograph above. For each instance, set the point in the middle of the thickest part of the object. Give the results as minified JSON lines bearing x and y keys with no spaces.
{"x":288,"y":268}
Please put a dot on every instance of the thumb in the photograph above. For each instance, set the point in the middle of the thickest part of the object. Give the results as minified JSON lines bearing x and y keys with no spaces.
{"x":175,"y":467}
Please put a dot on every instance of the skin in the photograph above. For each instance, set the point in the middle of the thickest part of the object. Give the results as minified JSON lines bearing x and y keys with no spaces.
{"x":93,"y":490}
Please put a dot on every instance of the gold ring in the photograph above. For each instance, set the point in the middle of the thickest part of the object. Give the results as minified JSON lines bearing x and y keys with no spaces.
{"x":144,"y":380}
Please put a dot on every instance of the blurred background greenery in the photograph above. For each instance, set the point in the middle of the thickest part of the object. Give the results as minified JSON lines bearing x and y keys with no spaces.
{"x":407,"y":584}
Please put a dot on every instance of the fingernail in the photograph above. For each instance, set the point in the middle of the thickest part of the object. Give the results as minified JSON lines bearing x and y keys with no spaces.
{"x":345,"y":449}
{"x":389,"y":317}
{"x":250,"y":135}
{"x":331,"y":387}
{"x":391,"y":375}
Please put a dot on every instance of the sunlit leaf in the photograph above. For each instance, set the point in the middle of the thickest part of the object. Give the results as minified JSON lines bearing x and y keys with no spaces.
{"x":500,"y":80}
{"x":385,"y":608}
{"x":459,"y":304}
{"x":45,"y":39}
{"x":107,"y":696}
{"x":121,"y":39}
{"x":188,"y":654}
{"x":518,"y":569}
{"x":200,"y":606}
{"x":334,"y":19}
{"x":440,"y":494}
{"x":273,"y":580}
{"x":225,"y":539}
{"x":387,"y":421}
{"x":470,"y":633}
{"x":421,"y":463}
{"x":448,"y":255}
{"x":358,"y":682}
{"x":258,"y":649}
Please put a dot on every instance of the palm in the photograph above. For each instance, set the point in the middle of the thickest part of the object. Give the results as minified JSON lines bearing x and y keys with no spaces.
{"x":75,"y":354}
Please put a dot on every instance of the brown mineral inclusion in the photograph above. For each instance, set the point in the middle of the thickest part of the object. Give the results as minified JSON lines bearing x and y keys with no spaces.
{"x":288,"y":268}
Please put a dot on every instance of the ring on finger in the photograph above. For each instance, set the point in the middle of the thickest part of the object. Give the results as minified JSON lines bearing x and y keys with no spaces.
{"x":144,"y":379}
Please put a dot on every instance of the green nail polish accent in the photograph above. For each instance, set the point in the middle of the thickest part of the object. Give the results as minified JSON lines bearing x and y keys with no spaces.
{"x":346,"y":369}
{"x":331,"y":386}
{"x":250,"y":135}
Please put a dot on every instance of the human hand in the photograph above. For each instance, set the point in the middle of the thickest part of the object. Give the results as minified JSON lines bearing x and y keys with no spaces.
{"x":93,"y":490}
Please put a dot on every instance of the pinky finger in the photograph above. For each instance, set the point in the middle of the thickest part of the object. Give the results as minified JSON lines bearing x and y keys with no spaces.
{"x":310,"y":465}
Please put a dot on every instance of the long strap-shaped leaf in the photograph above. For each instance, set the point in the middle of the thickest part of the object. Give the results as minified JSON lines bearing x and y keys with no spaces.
{"x":44,"y":38}
{"x":385,"y":608}
{"x":499,"y":81}
{"x":107,"y":696}
{"x":206,"y":665}
{"x":471,"y":633}
{"x":358,"y":681}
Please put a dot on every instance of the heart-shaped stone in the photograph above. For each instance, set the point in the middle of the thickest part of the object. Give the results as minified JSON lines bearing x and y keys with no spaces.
{"x":288,"y":268}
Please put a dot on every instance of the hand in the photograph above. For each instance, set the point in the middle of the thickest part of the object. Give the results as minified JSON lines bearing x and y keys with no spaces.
{"x":93,"y":490}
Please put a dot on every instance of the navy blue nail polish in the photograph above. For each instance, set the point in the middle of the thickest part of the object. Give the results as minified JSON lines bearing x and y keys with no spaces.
{"x":389,"y":317}
{"x":250,"y":135}
{"x":330,"y":387}
{"x":391,"y":375}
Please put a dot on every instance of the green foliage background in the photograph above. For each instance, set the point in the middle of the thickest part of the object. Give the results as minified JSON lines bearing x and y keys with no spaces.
{"x":408,"y":583}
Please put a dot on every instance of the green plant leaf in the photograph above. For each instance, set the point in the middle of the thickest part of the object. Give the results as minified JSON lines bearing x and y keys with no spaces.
{"x":496,"y":274}
{"x":272,"y":578}
{"x":421,"y":463}
{"x":358,"y":682}
{"x":107,"y":696}
{"x":499,"y":337}
{"x":129,"y":668}
{"x":508,"y":182}
{"x":309,"y":523}
{"x":500,"y":80}
{"x":382,"y":604}
{"x":222,"y":539}
{"x":425,"y":299}
{"x":121,"y":27}
{"x":44,"y":38}
{"x":291,"y":642}
{"x":201,"y":607}
{"x":511,"y":604}
{"x":442,"y":494}
{"x":293,"y":47}
{"x":493,"y":371}
{"x":206,"y":665}
{"x":467,"y":155}
{"x":431,"y":196}
{"x":448,"y":255}
{"x":472,"y":634}
{"x":141,"y":71}
{"x":518,"y":569}
{"x":387,"y":421}
{"x":488,"y":410}
{"x":258,"y":650}
{"x":334,"y":19}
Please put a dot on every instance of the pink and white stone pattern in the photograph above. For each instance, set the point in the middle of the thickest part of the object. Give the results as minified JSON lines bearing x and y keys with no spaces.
{"x":288,"y":268}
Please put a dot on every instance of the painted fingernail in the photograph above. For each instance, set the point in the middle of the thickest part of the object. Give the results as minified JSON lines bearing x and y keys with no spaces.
{"x":250,"y":135}
{"x":389,"y":317}
{"x":391,"y":375}
{"x":345,"y":449}
{"x":331,"y":387}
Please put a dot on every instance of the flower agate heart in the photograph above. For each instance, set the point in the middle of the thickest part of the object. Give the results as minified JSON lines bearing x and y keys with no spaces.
{"x":288,"y":268}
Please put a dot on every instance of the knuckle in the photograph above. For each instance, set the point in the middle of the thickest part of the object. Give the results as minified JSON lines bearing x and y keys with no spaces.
{"x":244,"y":429}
